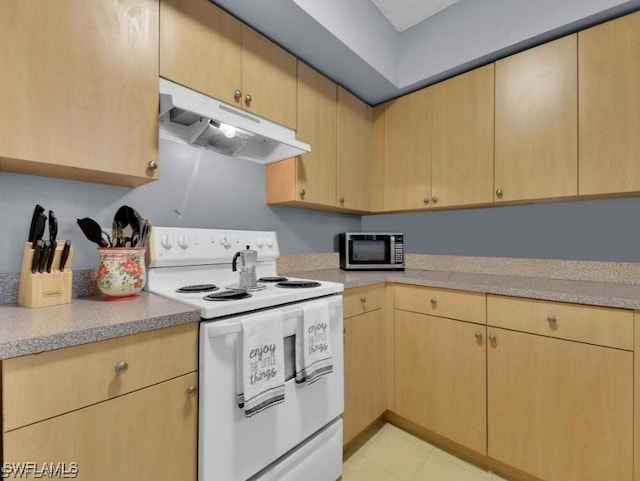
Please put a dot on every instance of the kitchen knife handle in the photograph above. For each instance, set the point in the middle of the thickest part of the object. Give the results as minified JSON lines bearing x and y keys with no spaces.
{"x":37,"y":253}
{"x":52,"y":254}
{"x":65,"y":255}
{"x":34,"y":219}
{"x":53,"y":226}
{"x":44,"y":257}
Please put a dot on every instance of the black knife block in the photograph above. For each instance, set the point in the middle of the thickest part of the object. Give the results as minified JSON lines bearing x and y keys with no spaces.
{"x":44,"y":289}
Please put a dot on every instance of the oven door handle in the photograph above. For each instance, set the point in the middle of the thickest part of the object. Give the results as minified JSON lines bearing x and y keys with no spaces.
{"x":221,"y":329}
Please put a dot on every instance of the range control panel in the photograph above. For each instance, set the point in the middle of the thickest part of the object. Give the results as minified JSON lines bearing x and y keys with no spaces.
{"x":177,"y":246}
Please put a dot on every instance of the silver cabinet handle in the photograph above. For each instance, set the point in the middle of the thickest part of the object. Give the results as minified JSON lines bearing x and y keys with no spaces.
{"x":341,"y":199}
{"x":552,"y":319}
{"x":153,"y":165}
{"x":237,"y":94}
{"x":425,"y":200}
{"x":192,"y":390}
{"x":434,"y":199}
{"x":363,"y":299}
{"x":248,"y":99}
{"x":434,"y":301}
{"x":122,"y":367}
{"x":493,"y":338}
{"x":302,"y":193}
{"x":479,"y":336}
{"x":499,"y":192}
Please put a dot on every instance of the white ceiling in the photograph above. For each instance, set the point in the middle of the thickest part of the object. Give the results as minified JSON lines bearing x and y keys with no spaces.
{"x":404,"y":14}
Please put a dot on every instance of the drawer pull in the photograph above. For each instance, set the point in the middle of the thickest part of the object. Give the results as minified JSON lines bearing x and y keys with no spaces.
{"x":493,"y":338}
{"x":363,"y":299}
{"x":192,"y":390}
{"x":552,"y":319}
{"x":122,"y":367}
{"x":479,"y":336}
{"x":434,"y":301}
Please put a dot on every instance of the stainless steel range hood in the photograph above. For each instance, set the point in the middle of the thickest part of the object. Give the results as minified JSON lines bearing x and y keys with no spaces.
{"x":190,"y":117}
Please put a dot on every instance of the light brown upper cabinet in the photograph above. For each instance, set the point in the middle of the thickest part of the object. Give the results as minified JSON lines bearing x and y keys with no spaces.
{"x":609,"y":100}
{"x":462,"y":141}
{"x":79,"y":89}
{"x":536,"y":104}
{"x":354,"y":152}
{"x":220,"y":57}
{"x":335,"y":175}
{"x":309,"y":180}
{"x":407,"y":151}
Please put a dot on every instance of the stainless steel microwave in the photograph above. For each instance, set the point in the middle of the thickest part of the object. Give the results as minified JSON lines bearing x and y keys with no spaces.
{"x":371,"y":251}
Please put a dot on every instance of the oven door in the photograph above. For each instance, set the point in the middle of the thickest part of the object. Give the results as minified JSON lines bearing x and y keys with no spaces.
{"x":234,"y":448}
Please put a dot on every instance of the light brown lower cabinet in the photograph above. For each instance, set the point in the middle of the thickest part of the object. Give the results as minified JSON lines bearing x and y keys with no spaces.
{"x":146,"y":435}
{"x":120,"y":409}
{"x":364,"y":359}
{"x":441,"y":376}
{"x":543,"y":391}
{"x":560,"y":410}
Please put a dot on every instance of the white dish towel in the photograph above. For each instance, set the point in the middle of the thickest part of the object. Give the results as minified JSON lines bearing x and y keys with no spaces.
{"x":260,"y":363}
{"x":313,"y":343}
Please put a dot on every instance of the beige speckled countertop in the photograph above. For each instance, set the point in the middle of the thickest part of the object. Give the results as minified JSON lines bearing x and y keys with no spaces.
{"x":581,"y":292}
{"x":88,"y":319}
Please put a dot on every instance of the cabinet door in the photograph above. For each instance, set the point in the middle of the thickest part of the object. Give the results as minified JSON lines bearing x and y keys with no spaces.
{"x":462,"y":151}
{"x":147,"y":435}
{"x":441,"y":376}
{"x":269,"y":78}
{"x":536,"y":123}
{"x":79,"y":89}
{"x":407,"y":152}
{"x":201,"y":48}
{"x":560,"y":410}
{"x":364,"y":372}
{"x":608,"y":76}
{"x":316,"y":173}
{"x":354,"y":152}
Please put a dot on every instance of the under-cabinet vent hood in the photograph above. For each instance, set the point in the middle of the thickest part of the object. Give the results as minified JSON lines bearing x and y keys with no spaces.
{"x":193,"y":118}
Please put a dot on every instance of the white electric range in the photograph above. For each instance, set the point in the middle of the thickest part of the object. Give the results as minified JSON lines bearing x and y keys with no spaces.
{"x":300,"y":438}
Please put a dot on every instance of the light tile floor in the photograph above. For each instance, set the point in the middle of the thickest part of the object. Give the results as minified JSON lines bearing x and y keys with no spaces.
{"x":395,"y":455}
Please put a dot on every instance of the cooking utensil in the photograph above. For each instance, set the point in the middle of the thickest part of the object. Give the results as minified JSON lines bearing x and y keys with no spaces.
{"x":53,"y":234}
{"x":92,"y":231}
{"x":34,"y":219}
{"x":125,"y":224}
{"x":145,"y":231}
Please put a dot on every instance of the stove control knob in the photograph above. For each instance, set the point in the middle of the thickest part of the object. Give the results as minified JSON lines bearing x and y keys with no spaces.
{"x":260,"y":242}
{"x":167,"y":242}
{"x":183,"y":241}
{"x":224,"y":240}
{"x":269,"y":242}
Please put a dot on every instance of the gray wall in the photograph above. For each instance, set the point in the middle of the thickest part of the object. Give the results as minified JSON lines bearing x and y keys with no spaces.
{"x":596,"y":230}
{"x":197,"y":188}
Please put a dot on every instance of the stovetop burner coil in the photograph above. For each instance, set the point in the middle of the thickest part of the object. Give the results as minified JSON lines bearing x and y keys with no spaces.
{"x":198,"y":288}
{"x":272,"y":279}
{"x":297,"y":284}
{"x":228,"y":295}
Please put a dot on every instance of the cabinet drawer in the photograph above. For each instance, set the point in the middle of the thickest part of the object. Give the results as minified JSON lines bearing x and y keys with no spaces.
{"x":43,"y":385}
{"x":462,"y":305}
{"x":604,"y":326}
{"x":363,"y":299}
